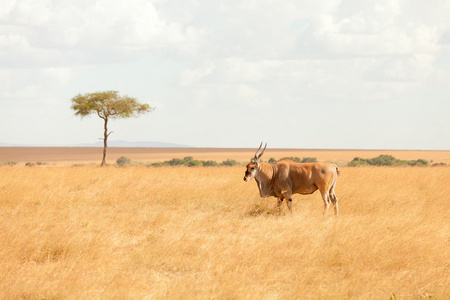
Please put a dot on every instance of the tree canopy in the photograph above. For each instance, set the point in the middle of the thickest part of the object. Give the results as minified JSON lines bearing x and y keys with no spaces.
{"x":108,"y":105}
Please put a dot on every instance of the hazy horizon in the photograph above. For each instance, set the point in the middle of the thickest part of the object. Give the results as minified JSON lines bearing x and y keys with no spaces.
{"x":156,"y":144}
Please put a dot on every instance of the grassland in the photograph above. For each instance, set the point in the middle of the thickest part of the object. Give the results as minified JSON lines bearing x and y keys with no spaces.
{"x":170,"y":233}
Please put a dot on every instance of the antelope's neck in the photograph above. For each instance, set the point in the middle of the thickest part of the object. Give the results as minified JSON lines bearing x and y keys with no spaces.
{"x":265,"y":178}
{"x":266,"y":172}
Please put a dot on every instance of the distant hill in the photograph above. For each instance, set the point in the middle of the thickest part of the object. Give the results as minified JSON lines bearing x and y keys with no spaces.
{"x":150,"y":144}
{"x":126,"y":144}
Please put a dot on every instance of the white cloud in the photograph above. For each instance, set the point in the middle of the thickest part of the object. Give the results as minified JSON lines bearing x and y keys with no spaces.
{"x":76,"y":31}
{"x":193,"y":77}
{"x":207,"y":62}
{"x":235,"y":70}
{"x":397,"y":48}
{"x":366,"y":33}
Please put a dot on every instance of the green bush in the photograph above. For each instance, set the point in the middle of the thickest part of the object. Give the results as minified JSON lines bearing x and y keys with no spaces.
{"x":29,"y":164}
{"x":299,"y":160}
{"x":210,"y":163}
{"x":383,"y":160}
{"x":386,"y":160}
{"x":357,"y":161}
{"x":123,"y":160}
{"x":421,"y":163}
{"x":194,"y":163}
{"x":230,"y":162}
{"x":296,"y":159}
{"x":309,"y":159}
{"x":11,"y":163}
{"x":272,"y":160}
{"x":187,"y":159}
{"x":175,"y":162}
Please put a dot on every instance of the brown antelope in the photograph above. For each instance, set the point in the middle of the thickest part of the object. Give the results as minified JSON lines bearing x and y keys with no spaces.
{"x":286,"y":177}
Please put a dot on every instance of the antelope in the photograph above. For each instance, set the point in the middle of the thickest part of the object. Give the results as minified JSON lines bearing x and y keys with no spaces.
{"x":285,"y":177}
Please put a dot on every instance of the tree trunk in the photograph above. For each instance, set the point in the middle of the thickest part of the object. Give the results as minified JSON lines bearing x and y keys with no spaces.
{"x":105,"y":142}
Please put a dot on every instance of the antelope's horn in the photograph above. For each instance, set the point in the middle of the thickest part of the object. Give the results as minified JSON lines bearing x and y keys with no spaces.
{"x":256,"y":153}
{"x":262,"y":152}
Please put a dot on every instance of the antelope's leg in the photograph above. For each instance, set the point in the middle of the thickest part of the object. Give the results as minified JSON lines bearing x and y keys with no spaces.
{"x":334,"y":200}
{"x":280,"y":200}
{"x":326,"y":201}
{"x":287,"y":194}
{"x":289,"y":204}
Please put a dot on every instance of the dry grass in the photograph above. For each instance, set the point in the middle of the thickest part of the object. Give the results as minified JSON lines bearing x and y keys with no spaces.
{"x":117,"y":233}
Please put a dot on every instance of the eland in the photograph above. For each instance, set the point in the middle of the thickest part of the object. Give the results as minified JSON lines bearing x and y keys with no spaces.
{"x":286,"y":177}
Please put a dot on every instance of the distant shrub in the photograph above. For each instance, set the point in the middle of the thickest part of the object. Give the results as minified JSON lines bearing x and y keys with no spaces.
{"x":357,"y":161}
{"x":441,"y":164}
{"x":29,"y":164}
{"x":194,"y":163}
{"x":419,"y":163}
{"x":296,"y":159}
{"x":188,"y":159}
{"x":304,"y":160}
{"x":39,"y":163}
{"x":309,"y":159}
{"x":210,"y":163}
{"x":11,"y":163}
{"x":386,"y":160}
{"x":123,"y":160}
{"x":230,"y":163}
{"x":272,"y":160}
{"x":175,"y":162}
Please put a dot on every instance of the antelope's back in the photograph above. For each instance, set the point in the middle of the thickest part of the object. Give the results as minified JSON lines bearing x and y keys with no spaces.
{"x":306,"y":174}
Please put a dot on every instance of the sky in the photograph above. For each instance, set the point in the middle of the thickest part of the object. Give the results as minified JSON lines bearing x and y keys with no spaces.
{"x":296,"y":74}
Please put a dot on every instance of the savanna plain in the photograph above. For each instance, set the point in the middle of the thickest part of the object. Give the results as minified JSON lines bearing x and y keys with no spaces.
{"x":137,"y":232}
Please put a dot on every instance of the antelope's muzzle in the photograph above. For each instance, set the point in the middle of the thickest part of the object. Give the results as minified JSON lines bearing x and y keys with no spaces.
{"x":245,"y":176}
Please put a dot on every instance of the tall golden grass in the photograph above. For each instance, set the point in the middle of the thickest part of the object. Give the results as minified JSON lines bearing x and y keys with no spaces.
{"x":137,"y":232}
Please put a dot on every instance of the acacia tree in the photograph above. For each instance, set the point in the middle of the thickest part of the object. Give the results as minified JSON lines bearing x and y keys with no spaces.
{"x":107,"y":105}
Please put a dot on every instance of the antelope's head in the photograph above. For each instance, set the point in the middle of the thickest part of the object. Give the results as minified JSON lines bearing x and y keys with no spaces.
{"x":253,"y":166}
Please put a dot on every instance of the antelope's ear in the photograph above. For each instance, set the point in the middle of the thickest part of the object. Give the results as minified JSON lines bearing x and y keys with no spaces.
{"x":257,"y":164}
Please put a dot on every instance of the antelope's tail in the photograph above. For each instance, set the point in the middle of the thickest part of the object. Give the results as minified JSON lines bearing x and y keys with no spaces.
{"x":337,"y":170}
